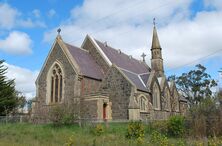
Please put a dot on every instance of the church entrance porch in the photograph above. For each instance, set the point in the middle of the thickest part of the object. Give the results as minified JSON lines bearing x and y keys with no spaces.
{"x":96,"y":107}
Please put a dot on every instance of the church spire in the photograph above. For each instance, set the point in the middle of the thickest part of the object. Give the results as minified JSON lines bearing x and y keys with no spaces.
{"x":155,"y":41}
{"x":156,"y":60}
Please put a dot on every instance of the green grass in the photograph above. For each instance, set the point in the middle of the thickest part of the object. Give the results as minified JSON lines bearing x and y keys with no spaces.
{"x":49,"y":135}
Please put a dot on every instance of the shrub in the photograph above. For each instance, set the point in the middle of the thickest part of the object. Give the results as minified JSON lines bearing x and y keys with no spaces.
{"x":159,"y":139}
{"x":135,"y":130}
{"x":98,"y":129}
{"x":62,"y":115}
{"x":160,"y":126}
{"x":205,"y":118}
{"x":176,"y":126}
{"x":70,"y":141}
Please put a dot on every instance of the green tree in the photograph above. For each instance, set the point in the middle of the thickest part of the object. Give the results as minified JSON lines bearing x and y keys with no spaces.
{"x":195,"y":85}
{"x":8,"y":95}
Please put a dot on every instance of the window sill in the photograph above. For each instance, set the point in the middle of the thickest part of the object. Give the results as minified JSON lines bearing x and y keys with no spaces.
{"x":144,"y":112}
{"x":53,"y":104}
{"x":157,"y":109}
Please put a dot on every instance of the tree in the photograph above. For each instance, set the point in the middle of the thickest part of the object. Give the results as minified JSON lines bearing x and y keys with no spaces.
{"x":8,"y":94}
{"x":195,"y":85}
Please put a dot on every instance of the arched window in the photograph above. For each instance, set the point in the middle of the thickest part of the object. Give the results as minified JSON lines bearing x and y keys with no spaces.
{"x":156,"y":97}
{"x":176,"y":100}
{"x":143,"y":103}
{"x":56,"y":84}
{"x":167,"y":99}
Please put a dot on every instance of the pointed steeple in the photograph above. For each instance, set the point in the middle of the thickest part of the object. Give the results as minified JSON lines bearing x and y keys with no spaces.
{"x":155,"y":41}
{"x":156,"y":60}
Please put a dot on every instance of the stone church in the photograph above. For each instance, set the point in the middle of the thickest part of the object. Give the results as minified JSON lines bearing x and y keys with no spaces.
{"x":105,"y":83}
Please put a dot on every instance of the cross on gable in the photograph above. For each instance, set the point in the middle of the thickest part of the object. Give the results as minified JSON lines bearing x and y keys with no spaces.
{"x":143,"y":56}
{"x":59,"y":30}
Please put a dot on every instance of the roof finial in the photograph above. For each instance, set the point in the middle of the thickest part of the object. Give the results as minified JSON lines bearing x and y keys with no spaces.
{"x":154,"y":21}
{"x":143,"y":56}
{"x":59,"y":30}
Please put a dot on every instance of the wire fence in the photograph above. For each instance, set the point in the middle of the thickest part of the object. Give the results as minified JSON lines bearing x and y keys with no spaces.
{"x":14,"y":119}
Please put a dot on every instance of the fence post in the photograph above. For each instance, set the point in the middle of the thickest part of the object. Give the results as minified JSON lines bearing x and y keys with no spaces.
{"x":20,"y":119}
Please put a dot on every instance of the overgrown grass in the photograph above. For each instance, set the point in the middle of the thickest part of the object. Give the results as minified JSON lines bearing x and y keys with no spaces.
{"x":114,"y":135}
{"x":49,"y":135}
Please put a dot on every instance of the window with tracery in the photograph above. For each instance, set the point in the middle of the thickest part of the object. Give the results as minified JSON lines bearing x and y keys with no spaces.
{"x":167,"y":99}
{"x":156,"y":96}
{"x":56,"y":84}
{"x":176,"y":100}
{"x":143,"y":103}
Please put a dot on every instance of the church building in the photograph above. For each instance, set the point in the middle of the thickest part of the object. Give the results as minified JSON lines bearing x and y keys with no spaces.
{"x":104,"y":83}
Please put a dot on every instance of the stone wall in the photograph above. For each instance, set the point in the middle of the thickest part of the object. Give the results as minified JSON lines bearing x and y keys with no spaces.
{"x":71,"y":83}
{"x":88,"y":109}
{"x":89,"y":86}
{"x":160,"y":115}
{"x":183,"y":108}
{"x":119,"y":91}
{"x":92,"y":108}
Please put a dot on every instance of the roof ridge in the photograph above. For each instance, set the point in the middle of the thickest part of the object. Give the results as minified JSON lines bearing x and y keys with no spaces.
{"x":117,"y":51}
{"x":77,"y":47}
{"x":128,"y":71}
{"x":144,"y":73}
{"x":132,"y":72}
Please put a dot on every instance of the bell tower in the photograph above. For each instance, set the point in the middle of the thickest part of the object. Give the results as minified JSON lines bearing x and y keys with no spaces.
{"x":156,"y":51}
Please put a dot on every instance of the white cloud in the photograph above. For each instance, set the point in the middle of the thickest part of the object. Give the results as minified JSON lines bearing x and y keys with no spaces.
{"x":24,"y":79}
{"x":12,"y":18}
{"x":213,"y":3}
{"x":51,"y":13}
{"x":8,"y":16}
{"x":29,"y":23}
{"x":128,"y":26}
{"x":36,"y":13}
{"x":16,"y":43}
{"x":188,"y":40}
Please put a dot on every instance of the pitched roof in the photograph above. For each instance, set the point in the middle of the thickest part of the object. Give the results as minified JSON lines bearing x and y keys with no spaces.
{"x":136,"y":79}
{"x":122,"y":60}
{"x":145,"y":77}
{"x":183,"y":99}
{"x":87,"y":64}
{"x":135,"y":70}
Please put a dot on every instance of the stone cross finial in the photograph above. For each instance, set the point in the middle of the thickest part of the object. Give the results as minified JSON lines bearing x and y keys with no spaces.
{"x":154,"y":21}
{"x":59,"y":30}
{"x":143,"y":56}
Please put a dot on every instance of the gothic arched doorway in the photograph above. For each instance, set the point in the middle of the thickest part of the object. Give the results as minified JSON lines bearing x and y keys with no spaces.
{"x":104,"y":111}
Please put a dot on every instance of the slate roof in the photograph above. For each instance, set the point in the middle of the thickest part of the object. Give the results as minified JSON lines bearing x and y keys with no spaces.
{"x":135,"y":78}
{"x":87,"y":64}
{"x":145,"y":77}
{"x":135,"y":70}
{"x":122,"y":60}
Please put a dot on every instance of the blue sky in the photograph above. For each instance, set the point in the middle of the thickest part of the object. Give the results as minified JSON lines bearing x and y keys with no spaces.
{"x":189,"y":32}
